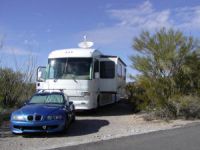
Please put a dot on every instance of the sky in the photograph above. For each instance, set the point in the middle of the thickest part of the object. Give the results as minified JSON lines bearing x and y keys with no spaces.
{"x":33,"y":28}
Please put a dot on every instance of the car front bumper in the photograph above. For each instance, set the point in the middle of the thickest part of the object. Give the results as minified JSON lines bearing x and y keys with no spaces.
{"x":19,"y":127}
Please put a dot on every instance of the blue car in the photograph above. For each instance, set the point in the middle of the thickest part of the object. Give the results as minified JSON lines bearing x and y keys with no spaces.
{"x":44,"y":112}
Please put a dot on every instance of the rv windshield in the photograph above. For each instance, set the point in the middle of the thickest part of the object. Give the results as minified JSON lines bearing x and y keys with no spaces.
{"x":70,"y":68}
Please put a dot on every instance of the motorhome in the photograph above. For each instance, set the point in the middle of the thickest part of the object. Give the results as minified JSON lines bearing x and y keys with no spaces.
{"x":89,"y":78}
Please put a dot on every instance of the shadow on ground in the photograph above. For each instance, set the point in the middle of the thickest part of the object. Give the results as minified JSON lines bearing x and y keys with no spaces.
{"x":78,"y":128}
{"x":84,"y":127}
{"x":123,"y":107}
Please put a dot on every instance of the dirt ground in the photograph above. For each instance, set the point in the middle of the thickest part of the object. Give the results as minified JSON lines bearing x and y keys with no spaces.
{"x":108,"y":122}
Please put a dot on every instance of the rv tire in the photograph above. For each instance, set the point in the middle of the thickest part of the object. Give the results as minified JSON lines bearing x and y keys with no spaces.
{"x":98,"y":101}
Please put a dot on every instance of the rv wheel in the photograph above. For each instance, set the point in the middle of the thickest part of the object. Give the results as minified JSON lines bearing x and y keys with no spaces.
{"x":98,"y":101}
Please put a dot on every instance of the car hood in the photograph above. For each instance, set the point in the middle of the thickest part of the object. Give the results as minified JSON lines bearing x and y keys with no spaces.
{"x":39,"y":109}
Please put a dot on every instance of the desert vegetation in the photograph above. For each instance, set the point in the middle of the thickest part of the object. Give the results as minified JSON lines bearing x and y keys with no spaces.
{"x":168,"y":85}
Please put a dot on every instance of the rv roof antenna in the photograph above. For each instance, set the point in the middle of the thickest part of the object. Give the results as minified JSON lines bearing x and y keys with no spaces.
{"x":85,"y":44}
{"x":85,"y":38}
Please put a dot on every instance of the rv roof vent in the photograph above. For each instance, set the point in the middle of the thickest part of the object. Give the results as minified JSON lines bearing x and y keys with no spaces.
{"x":85,"y":43}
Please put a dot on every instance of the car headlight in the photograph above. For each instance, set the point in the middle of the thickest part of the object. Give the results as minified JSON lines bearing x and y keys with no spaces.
{"x":18,"y":118}
{"x":54,"y":117}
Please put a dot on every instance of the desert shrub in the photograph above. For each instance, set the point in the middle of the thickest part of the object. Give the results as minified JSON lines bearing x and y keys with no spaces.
{"x":28,"y":91}
{"x":13,"y":88}
{"x":134,"y":93}
{"x":169,"y":64}
{"x":187,"y":106}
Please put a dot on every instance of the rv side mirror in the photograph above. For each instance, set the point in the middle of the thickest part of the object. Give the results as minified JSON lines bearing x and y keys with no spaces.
{"x":96,"y":75}
{"x":41,"y":74}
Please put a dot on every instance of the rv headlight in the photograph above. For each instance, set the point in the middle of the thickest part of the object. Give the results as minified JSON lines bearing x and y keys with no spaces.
{"x":54,"y":117}
{"x":85,"y":93}
{"x":18,"y":117}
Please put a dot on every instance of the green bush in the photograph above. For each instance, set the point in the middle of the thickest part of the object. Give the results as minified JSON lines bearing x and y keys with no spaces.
{"x":169,"y":64}
{"x":13,"y":88}
{"x":187,"y":106}
{"x":134,"y":93}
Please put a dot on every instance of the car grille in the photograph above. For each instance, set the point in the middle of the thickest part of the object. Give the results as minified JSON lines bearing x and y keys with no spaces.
{"x":49,"y":127}
{"x":38,"y":117}
{"x":34,"y":117}
{"x":30,"y":118}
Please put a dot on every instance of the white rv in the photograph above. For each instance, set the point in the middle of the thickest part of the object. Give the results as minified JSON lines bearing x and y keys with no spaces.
{"x":89,"y":78}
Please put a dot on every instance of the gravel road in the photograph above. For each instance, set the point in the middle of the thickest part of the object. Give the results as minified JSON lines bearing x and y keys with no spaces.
{"x":109,"y":122}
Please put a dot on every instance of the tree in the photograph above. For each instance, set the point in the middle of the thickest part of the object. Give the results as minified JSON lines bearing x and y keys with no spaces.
{"x":16,"y":85}
{"x":162,"y":54}
{"x":166,"y":60}
{"x":13,"y":88}
{"x":1,"y":44}
{"x":10,"y":85}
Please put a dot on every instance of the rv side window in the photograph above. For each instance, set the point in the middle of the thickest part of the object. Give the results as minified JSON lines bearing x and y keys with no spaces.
{"x":96,"y":67}
{"x":119,"y":70}
{"x":107,"y":69}
{"x":124,"y":74}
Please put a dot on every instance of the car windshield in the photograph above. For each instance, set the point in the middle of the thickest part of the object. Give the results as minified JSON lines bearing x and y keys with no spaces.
{"x":70,"y":68}
{"x":47,"y":98}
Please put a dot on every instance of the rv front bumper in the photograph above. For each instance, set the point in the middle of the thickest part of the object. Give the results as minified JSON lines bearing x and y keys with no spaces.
{"x":83,"y":102}
{"x":83,"y":105}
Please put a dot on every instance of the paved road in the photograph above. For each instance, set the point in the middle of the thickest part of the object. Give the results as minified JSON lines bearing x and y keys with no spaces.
{"x":187,"y":138}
